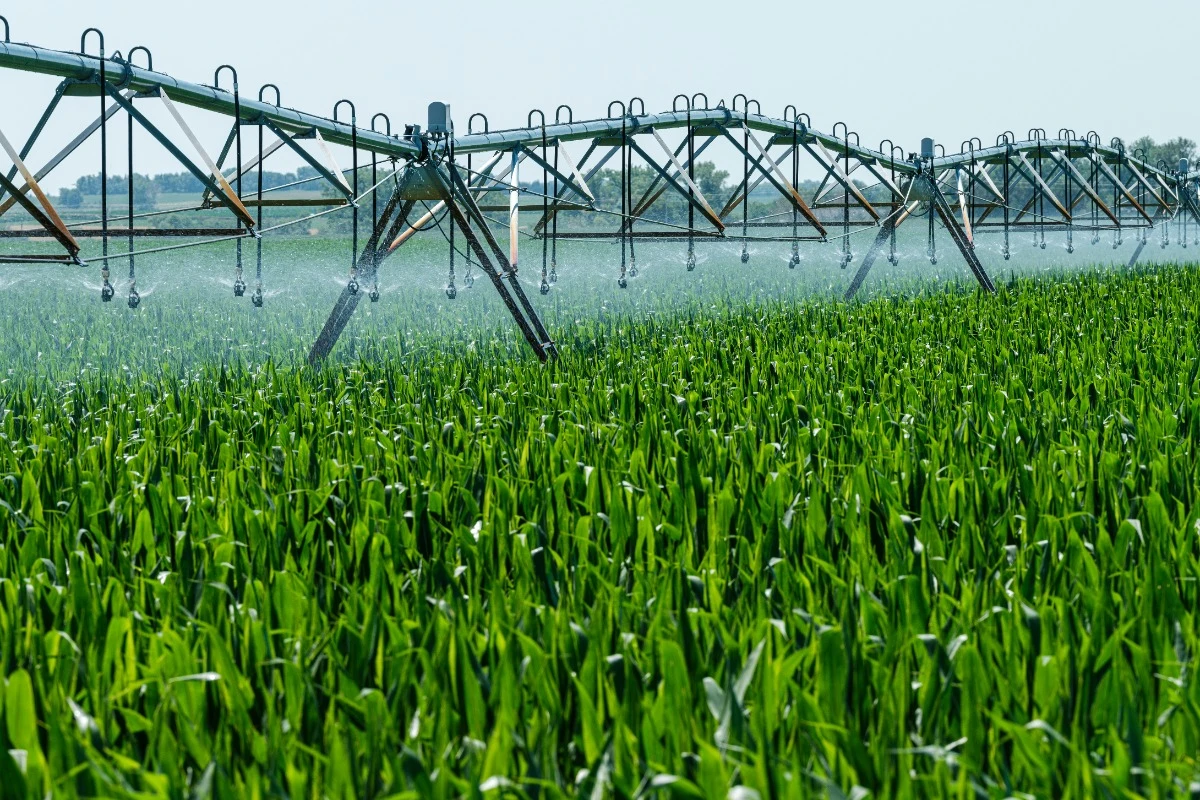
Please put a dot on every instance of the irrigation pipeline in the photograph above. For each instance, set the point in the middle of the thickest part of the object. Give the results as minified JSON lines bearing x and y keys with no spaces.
{"x":1031,"y":185}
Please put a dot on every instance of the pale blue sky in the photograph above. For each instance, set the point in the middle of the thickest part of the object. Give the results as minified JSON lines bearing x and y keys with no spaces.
{"x":943,"y":68}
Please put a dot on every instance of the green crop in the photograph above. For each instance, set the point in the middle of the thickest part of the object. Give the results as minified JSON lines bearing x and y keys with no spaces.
{"x":730,"y":546}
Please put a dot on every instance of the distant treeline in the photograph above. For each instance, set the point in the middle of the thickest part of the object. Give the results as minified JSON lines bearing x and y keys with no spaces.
{"x":147,"y":188}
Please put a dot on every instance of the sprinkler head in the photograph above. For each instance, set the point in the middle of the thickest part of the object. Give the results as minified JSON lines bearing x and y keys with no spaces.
{"x":1071,"y":248}
{"x":239,"y":287}
{"x":374,"y":295}
{"x":106,"y":292}
{"x":933,"y":259}
{"x":1042,"y":245}
{"x":134,"y":298}
{"x":691,"y":260}
{"x":633,"y":270}
{"x":745,"y":255}
{"x":1007,"y":255}
{"x":622,"y":282}
{"x":257,"y":297}
{"x":553,"y":272}
{"x":451,"y":292}
{"x":352,"y":286}
{"x":545,"y":287}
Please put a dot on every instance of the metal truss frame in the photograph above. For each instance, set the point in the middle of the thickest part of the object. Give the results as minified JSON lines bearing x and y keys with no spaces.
{"x":1037,"y":184}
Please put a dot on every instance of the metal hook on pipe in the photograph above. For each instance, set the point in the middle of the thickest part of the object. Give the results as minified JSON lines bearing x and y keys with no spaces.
{"x":610,"y":108}
{"x":217,"y":76}
{"x":149,"y":58}
{"x":263,"y":90}
{"x":353,"y":111}
{"x":558,"y":113}
{"x":83,"y":41}
{"x":7,"y":38}
{"x":388,"y":130}
{"x":471,"y":122}
{"x":675,"y":103}
{"x":529,"y":118}
{"x":695,"y":106}
{"x":641,"y":105}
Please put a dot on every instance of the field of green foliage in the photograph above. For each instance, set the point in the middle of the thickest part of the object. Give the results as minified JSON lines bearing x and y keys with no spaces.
{"x":739,"y":541}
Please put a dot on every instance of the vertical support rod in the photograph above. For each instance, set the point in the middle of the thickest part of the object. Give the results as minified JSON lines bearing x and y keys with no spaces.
{"x":258,"y":243}
{"x":354,"y":207}
{"x":1007,"y":195}
{"x":514,"y":205}
{"x":129,"y":182}
{"x":237,"y":121}
{"x":691,"y":151}
{"x":624,"y":219}
{"x":104,"y":161}
{"x":544,"y":287}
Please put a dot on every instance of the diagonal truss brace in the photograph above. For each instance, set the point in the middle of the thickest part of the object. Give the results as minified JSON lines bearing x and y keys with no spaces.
{"x":793,"y":196}
{"x":830,"y":163}
{"x":46,"y":216}
{"x":61,"y":156}
{"x":1120,"y":186}
{"x":208,"y":179}
{"x":1027,"y":171}
{"x":334,"y":176}
{"x":580,"y":188}
{"x":696,"y":200}
{"x":1083,"y":184}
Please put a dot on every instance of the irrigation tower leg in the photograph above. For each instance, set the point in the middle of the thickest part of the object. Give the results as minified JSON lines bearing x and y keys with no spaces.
{"x":959,"y":236}
{"x":368,"y":263}
{"x":885,"y":233}
{"x":467,"y":216}
{"x":1137,"y":252}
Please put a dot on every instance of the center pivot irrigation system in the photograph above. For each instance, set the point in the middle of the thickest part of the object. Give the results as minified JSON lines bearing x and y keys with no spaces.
{"x":418,"y":178}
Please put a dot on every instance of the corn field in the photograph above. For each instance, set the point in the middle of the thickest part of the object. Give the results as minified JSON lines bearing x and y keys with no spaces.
{"x":937,"y":545}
